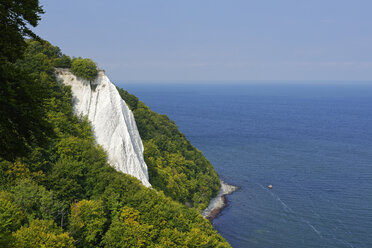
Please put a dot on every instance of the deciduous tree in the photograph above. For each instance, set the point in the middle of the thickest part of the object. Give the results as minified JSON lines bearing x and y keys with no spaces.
{"x":87,"y":221}
{"x":42,"y":233}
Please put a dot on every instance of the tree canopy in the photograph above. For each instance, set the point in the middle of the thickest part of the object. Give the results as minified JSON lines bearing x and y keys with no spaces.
{"x":175,"y":166}
{"x":21,"y":93}
{"x":15,"y":19}
{"x":42,"y":233}
{"x":56,"y":187}
{"x":63,"y":193}
{"x":84,"y":68}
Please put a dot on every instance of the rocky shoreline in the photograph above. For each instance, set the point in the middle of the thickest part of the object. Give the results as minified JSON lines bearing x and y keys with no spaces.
{"x":218,"y":203}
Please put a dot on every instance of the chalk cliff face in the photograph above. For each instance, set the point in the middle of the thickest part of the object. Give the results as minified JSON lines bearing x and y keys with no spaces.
{"x":112,"y":121}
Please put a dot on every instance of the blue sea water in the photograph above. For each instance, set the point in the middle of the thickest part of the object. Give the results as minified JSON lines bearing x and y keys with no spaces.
{"x":312,"y":142}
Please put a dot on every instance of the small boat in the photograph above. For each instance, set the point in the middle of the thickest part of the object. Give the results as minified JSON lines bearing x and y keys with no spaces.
{"x":270,"y":186}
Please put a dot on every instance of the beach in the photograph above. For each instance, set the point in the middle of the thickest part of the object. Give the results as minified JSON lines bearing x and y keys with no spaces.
{"x":218,"y":203}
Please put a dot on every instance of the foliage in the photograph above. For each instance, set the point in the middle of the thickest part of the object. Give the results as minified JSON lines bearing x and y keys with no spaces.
{"x":62,"y":62}
{"x":21,"y":95}
{"x":36,"y":201}
{"x":175,"y":166}
{"x":87,"y":221}
{"x":67,"y":181}
{"x":131,"y":100}
{"x":22,"y":120}
{"x":84,"y":68}
{"x":15,"y":18}
{"x":10,"y":219}
{"x":42,"y":233}
{"x":127,"y":231}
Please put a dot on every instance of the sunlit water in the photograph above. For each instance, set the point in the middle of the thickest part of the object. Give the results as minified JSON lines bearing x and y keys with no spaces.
{"x":313,"y":143}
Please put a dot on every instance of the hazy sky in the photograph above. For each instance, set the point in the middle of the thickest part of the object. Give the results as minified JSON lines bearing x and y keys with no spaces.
{"x":216,"y":39}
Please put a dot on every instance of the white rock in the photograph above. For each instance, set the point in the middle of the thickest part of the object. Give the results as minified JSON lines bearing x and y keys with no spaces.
{"x":218,"y":202}
{"x":113,"y":123}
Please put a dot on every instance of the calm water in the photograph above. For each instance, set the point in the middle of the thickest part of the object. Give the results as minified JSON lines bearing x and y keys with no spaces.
{"x":313,"y":143}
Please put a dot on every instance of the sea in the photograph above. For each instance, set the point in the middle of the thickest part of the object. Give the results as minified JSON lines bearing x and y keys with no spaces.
{"x":312,"y":141}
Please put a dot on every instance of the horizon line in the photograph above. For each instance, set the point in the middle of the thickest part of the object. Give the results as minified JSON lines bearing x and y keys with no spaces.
{"x":241,"y":81}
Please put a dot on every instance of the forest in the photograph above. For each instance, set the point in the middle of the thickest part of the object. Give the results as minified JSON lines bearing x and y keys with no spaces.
{"x":175,"y":166}
{"x":56,"y":187}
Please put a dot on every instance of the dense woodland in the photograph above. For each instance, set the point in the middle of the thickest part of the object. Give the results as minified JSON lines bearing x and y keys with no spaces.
{"x":175,"y":166}
{"x":56,"y":188}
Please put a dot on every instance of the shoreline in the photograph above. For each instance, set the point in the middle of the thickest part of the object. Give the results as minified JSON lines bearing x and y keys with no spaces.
{"x":218,"y":203}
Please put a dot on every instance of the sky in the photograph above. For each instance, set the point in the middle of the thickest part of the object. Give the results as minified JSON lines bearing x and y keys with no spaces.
{"x":206,"y":40}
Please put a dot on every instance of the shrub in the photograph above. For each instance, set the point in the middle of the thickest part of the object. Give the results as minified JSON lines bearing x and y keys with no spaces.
{"x":84,"y":68}
{"x":63,"y":62}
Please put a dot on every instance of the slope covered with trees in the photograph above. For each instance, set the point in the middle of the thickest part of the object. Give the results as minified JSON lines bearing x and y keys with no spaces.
{"x":64,"y":194}
{"x":56,"y":188}
{"x":21,"y":96}
{"x":175,"y":166}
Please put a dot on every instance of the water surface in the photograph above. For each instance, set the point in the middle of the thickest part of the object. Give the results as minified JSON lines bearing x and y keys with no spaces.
{"x":312,"y":142}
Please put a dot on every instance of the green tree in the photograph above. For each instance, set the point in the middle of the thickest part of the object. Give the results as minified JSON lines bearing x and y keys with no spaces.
{"x":63,"y":62}
{"x":176,"y":167}
{"x":37,"y":202}
{"x":22,"y":121}
{"x":42,"y":233}
{"x":21,"y":97}
{"x":128,"y":231}
{"x":15,"y":19}
{"x":87,"y":221}
{"x":84,"y":68}
{"x":71,"y":167}
{"x":131,"y":100}
{"x":10,"y":218}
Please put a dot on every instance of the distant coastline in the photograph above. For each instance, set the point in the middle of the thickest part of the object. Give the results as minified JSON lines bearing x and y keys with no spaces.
{"x":217,"y":204}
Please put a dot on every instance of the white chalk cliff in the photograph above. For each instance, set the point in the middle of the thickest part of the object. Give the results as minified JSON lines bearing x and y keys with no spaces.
{"x":113,"y":122}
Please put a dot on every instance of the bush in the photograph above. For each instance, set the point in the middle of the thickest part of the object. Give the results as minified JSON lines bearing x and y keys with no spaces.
{"x":63,"y":62}
{"x":84,"y":68}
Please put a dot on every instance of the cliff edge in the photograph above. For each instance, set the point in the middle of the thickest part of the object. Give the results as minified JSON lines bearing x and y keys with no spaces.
{"x":114,"y":126}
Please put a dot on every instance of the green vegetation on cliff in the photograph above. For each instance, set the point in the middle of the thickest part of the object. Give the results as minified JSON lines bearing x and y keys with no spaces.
{"x":175,"y":166}
{"x":84,"y":68}
{"x":57,"y":189}
{"x":21,"y":96}
{"x":65,"y":190}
